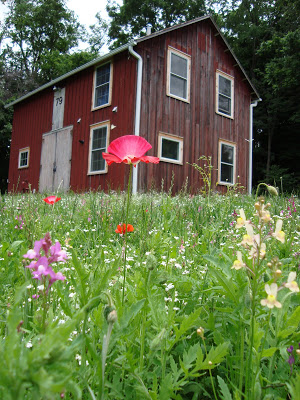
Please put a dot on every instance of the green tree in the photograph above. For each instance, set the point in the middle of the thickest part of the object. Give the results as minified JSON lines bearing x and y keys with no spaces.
{"x":38,"y":32}
{"x":130,"y":20}
{"x":98,"y":38}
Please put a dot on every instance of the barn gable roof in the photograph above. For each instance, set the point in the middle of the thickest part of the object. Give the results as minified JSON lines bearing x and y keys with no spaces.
{"x":126,"y":47}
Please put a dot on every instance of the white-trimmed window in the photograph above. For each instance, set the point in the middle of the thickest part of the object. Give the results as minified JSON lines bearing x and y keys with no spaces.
{"x":227,"y":161}
{"x":23,"y":158}
{"x":170,"y":148}
{"x":102,"y":85}
{"x":98,"y":144}
{"x":179,"y":71}
{"x":224,"y":94}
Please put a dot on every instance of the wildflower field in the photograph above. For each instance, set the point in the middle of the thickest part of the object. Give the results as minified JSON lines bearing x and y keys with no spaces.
{"x":161,"y":297}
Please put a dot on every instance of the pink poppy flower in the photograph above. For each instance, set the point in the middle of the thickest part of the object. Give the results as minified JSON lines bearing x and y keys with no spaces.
{"x":129,"y":149}
{"x":52,"y":199}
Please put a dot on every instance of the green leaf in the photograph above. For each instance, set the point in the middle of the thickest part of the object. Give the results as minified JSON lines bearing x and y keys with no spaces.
{"x":187,"y":323}
{"x":269,"y":352}
{"x":224,"y":389}
{"x":14,"y":246}
{"x":214,"y":357}
{"x":229,"y":287}
{"x":130,"y":314}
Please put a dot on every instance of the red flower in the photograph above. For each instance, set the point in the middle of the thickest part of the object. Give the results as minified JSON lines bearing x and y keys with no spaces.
{"x":121,"y":229}
{"x":52,"y":199}
{"x":129,"y":149}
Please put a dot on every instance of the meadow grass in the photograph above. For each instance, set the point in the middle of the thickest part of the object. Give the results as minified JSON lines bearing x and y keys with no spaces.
{"x":199,"y":319}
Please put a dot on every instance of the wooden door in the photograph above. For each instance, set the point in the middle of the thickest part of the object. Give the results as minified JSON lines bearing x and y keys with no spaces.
{"x":56,"y":160}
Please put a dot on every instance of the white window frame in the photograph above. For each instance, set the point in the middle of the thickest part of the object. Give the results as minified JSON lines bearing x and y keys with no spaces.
{"x":173,"y":138}
{"x":187,"y":57}
{"x":94,"y":106}
{"x":220,"y":162}
{"x":21,"y":151}
{"x":231,"y":79}
{"x":92,"y":129}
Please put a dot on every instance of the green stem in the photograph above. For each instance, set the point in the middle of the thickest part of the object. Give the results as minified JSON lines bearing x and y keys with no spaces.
{"x":142,"y":350}
{"x":210,"y":374}
{"x":83,"y":357}
{"x":106,"y":340}
{"x":262,"y":183}
{"x":242,"y":349}
{"x":125,"y":241}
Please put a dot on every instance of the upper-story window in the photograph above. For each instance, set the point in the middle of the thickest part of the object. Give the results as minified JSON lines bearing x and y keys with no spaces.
{"x":224,"y":94}
{"x":23,"y":158}
{"x":99,"y":137}
{"x":178,"y":79}
{"x":102,"y":85}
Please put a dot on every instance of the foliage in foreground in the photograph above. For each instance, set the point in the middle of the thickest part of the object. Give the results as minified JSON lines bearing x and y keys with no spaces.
{"x":198,"y":320}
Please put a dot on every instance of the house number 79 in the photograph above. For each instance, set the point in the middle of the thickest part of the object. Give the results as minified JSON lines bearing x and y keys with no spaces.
{"x":59,"y":101}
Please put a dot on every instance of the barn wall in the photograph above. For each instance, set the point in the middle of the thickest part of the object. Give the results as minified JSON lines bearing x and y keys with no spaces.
{"x":33,"y":118}
{"x":196,"y":121}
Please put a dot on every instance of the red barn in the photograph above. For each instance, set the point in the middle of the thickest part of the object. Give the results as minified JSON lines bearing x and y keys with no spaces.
{"x":181,"y":88}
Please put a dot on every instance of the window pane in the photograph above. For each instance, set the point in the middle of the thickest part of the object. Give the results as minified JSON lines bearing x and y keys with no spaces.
{"x":224,"y":86}
{"x":99,"y":138}
{"x":178,"y":65}
{"x":170,"y":149}
{"x":224,"y":105}
{"x":226,"y":173}
{"x":24,"y":159}
{"x":103,"y":75}
{"x":102,"y":85}
{"x":178,"y":87}
{"x":97,"y":161}
{"x":227,"y":154}
{"x":101,"y":95}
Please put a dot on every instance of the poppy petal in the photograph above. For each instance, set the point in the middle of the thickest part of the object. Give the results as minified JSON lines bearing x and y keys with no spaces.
{"x":147,"y":159}
{"x":129,"y":146}
{"x":111,"y":158}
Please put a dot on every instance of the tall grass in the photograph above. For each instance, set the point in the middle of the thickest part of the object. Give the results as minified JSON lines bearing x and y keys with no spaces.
{"x":190,"y":326}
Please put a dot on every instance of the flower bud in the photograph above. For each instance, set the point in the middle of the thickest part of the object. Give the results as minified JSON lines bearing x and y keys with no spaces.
{"x":200,"y":332}
{"x":272,"y":190}
{"x":112,"y":317}
{"x":278,"y":273}
{"x":110,"y":314}
{"x":257,"y":206}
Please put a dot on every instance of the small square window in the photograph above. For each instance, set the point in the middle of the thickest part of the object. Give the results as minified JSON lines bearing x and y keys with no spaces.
{"x":24,"y":158}
{"x":102,"y":86}
{"x":98,"y":145}
{"x":170,"y":148}
{"x":178,"y":75}
{"x":224,"y":94}
{"x":227,"y":163}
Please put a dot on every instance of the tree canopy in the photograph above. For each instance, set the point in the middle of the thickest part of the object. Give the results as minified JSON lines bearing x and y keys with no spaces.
{"x":130,"y":20}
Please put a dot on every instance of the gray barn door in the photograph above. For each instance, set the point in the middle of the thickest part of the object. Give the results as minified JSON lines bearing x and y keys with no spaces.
{"x":56,"y":160}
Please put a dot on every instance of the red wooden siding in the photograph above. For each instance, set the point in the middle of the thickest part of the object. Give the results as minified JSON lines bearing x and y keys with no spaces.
{"x":197,"y":122}
{"x":33,"y":118}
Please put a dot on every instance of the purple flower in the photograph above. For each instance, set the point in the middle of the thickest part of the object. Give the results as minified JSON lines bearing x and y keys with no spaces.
{"x":291,"y":359}
{"x":40,"y":264}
